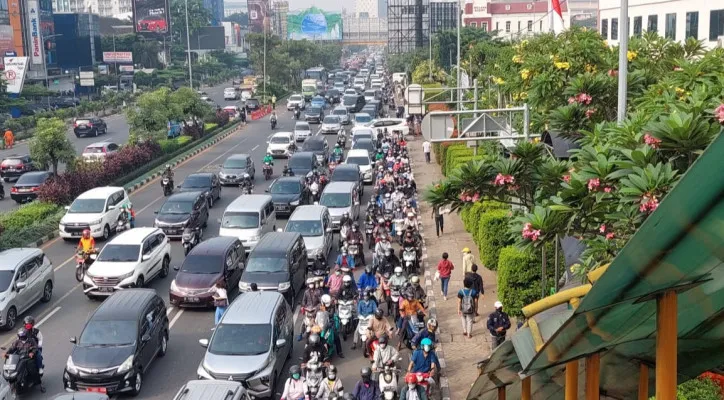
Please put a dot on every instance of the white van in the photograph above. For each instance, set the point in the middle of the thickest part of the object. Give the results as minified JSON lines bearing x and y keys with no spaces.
{"x":248,"y":218}
{"x":97,"y":210}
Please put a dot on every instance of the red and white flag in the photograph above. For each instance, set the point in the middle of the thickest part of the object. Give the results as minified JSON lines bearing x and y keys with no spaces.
{"x":556,"y":16}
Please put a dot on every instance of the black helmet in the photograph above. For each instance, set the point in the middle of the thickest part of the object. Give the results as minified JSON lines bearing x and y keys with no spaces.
{"x":331,"y":369}
{"x":383,"y":339}
{"x":294,"y":369}
{"x":320,"y":256}
{"x":314,"y":338}
{"x":365,"y":372}
{"x":379,"y":313}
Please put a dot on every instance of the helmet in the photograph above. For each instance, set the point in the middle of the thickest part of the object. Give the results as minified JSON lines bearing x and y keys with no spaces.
{"x":345,"y":214}
{"x":168,"y":166}
{"x":498,"y":304}
{"x":379,"y":313}
{"x":368,"y":269}
{"x":426,"y":342}
{"x":29,"y":320}
{"x":326,"y":300}
{"x":410,"y":214}
{"x":320,"y":256}
{"x":398,"y":270}
{"x":409,"y":296}
{"x":331,"y":369}
{"x":294,"y":369}
{"x":383,"y":339}
{"x":432,"y":322}
{"x":365,"y":372}
{"x":366,"y":294}
{"x":22,"y":334}
{"x":314,"y":339}
{"x":336,"y":145}
{"x":381,"y":220}
{"x":415,"y":279}
{"x":387,"y":195}
{"x":410,"y":378}
{"x":347,"y":278}
{"x":86,"y":232}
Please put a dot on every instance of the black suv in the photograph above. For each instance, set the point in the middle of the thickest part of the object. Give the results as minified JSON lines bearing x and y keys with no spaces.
{"x":317,"y":145}
{"x":14,"y":166}
{"x":206,"y":182}
{"x":289,"y":192}
{"x":92,"y":126}
{"x":118,"y":343}
{"x":183,"y":210}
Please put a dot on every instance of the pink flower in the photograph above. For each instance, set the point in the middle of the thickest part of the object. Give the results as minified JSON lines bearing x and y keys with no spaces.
{"x":593,"y":184}
{"x":476,"y":197}
{"x":567,"y":178}
{"x":502,"y":180}
{"x":612,"y":72}
{"x":530,"y":233}
{"x":610,"y":235}
{"x":652,"y":141}
{"x":584,"y":98}
{"x":649,"y":203}
{"x":608,"y":189}
{"x":590,"y":112}
{"x":571,"y":100}
{"x":719,"y":113}
{"x":461,"y":196}
{"x":678,"y":68}
{"x":513,"y":188}
{"x":602,"y":228}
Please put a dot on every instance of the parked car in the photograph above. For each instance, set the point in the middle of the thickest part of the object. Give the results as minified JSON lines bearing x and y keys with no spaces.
{"x":288,"y":193}
{"x":27,"y":277}
{"x":16,"y":165}
{"x":26,"y":188}
{"x":234,"y":168}
{"x":93,"y":126}
{"x":302,"y":130}
{"x":331,"y":124}
{"x":220,"y":258}
{"x":280,"y":144}
{"x":181,"y":211}
{"x":314,"y":114}
{"x":97,"y":210}
{"x":130,"y":260}
{"x":206,"y":182}
{"x":294,"y":101}
{"x":118,"y":343}
{"x":98,"y":151}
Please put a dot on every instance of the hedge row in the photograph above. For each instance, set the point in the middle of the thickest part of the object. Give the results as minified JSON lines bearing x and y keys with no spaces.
{"x":27,"y":223}
{"x":519,"y":277}
{"x":488,"y":222}
{"x":169,"y":146}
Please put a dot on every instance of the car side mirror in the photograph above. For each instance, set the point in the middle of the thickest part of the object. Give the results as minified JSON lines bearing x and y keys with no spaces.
{"x":111,"y":207}
{"x":20,"y":286}
{"x":266,"y":190}
{"x":204,"y":343}
{"x":155,"y":212}
{"x":146,"y":338}
{"x":280,"y":343}
{"x":73,"y":340}
{"x":221,"y":165}
{"x":146,"y":257}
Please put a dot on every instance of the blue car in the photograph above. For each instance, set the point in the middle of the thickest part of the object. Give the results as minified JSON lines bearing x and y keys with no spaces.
{"x":319,"y":101}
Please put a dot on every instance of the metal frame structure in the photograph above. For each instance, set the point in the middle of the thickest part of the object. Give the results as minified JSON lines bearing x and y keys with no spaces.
{"x":408,"y":25}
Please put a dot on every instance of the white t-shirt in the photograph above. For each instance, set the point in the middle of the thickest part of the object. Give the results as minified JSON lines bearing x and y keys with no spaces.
{"x":426,"y":146}
{"x":221,"y":293}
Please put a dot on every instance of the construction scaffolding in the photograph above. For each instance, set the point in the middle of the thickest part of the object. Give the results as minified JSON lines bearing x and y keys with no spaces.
{"x":408,"y":25}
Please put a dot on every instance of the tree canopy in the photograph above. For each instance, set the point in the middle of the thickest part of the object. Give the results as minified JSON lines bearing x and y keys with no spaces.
{"x":50,"y":144}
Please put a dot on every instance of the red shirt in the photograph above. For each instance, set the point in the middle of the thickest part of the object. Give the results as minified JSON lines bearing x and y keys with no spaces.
{"x":445,"y":267}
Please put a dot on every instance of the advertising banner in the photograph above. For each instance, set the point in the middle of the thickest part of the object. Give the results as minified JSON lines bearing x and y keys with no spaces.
{"x":118,"y":57}
{"x":258,"y":15}
{"x":14,"y":74}
{"x":34,"y":35}
{"x":125,"y":68}
{"x":150,"y":16}
{"x":86,"y":78}
{"x":314,"y":24}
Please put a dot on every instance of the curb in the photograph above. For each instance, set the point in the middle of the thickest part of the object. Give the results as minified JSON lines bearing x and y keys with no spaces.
{"x":148,"y":179}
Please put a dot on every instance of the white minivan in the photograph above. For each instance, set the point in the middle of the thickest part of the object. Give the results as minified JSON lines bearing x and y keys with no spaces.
{"x":248,"y":218}
{"x":97,"y":210}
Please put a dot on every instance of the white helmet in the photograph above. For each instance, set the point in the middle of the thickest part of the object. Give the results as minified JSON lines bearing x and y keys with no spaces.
{"x":347,"y":278}
{"x":398,"y":270}
{"x":410,"y":214}
{"x":326,"y":300}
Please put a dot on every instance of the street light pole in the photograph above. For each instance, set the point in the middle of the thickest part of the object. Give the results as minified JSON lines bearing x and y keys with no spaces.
{"x":45,"y":65}
{"x":459,"y":75}
{"x":264,"y":68}
{"x":188,"y":43}
{"x":622,"y":61}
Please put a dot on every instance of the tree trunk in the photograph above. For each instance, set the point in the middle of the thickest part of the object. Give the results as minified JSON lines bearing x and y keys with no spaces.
{"x":54,"y":163}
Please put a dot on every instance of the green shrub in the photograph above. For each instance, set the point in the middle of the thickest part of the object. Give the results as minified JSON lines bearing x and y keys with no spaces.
{"x":184,"y":140}
{"x":168,"y":146}
{"x":697,"y":389}
{"x":457,"y":161}
{"x":452,"y":155}
{"x":28,"y":234}
{"x":26,"y":215}
{"x":444,"y":147}
{"x":209,"y":126}
{"x":492,"y":235}
{"x":519,"y":277}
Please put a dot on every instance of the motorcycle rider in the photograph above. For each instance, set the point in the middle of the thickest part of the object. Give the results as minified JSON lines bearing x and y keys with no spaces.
{"x":29,"y":325}
{"x":128,"y":214}
{"x":388,"y":204}
{"x":87,"y":243}
{"x":384,"y":354}
{"x":354,"y":235}
{"x":409,"y":240}
{"x":349,"y":291}
{"x":167,"y":173}
{"x":412,"y":390}
{"x":273,"y":118}
{"x":328,"y":306}
{"x":424,"y":359}
{"x":296,"y":386}
{"x":334,"y":281}
{"x":332,"y":385}
{"x":312,"y":296}
{"x":391,"y":261}
{"x":246,"y":182}
{"x":367,"y":281}
{"x":297,"y":111}
{"x":366,"y":388}
{"x":365,"y":308}
{"x":337,"y":152}
{"x":417,"y":290}
{"x":381,"y":249}
{"x":287,"y":171}
{"x":318,"y":264}
{"x":268,"y":159}
{"x":379,"y":328}
{"x":380,"y":155}
{"x":314,"y":350}
{"x":25,"y":344}
{"x":409,"y":309}
{"x":345,"y":260}
{"x":430,"y":332}
{"x":345,"y":220}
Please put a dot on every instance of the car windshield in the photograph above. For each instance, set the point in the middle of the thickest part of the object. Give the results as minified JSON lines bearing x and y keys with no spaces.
{"x":6,"y":277}
{"x":279,"y":140}
{"x":177,"y":207}
{"x":349,"y":100}
{"x":202,"y":264}
{"x":359,"y":160}
{"x":370,"y":93}
{"x":82,"y":122}
{"x":309,"y":88}
{"x":302,"y":126}
{"x":232,"y":163}
{"x":87,"y":206}
{"x":313,"y":145}
{"x":340,"y":111}
{"x":253,"y":102}
{"x":295,"y":98}
{"x":315,"y":110}
{"x":241,"y":339}
{"x":229,"y":89}
{"x":345,"y":175}
{"x":333,"y":92}
{"x":335,"y":200}
{"x":285,"y":187}
{"x":358,"y":136}
{"x":305,"y":228}
{"x":32,"y":179}
{"x":197,"y":181}
{"x":240,"y":220}
{"x":331,"y":119}
{"x":300,"y":163}
{"x":119,"y":253}
{"x":266,"y":264}
{"x":106,"y":333}
{"x":362,"y":118}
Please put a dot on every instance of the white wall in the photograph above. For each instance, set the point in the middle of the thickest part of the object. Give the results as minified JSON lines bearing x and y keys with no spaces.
{"x":609,"y":9}
{"x":537,"y":18}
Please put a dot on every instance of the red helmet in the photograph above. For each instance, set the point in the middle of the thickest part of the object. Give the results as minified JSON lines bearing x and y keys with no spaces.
{"x":86,"y":232}
{"x":410,"y":378}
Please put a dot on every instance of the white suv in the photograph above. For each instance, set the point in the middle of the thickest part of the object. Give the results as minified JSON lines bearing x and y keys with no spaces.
{"x":231,"y":94}
{"x":280,"y":144}
{"x":97,"y":210}
{"x":130,"y":260}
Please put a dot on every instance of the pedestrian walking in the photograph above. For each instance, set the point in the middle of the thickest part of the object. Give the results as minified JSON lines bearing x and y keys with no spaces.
{"x":274,"y":101}
{"x":9,"y":139}
{"x":221,"y":300}
{"x":444,"y":270}
{"x":498,"y":325}
{"x":426,"y":150}
{"x":439,"y":221}
{"x":477,"y":284}
{"x":466,"y":306}
{"x":467,"y":260}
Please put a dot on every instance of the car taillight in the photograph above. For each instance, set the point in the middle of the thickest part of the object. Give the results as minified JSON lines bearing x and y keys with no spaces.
{"x":13,"y":190}
{"x":19,"y":166}
{"x":34,"y":188}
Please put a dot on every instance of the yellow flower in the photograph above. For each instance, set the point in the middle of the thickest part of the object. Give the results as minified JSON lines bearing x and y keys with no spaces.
{"x":525,"y":74}
{"x":590,"y":68}
{"x":516,"y":96}
{"x":605,"y":43}
{"x":680,"y":91}
{"x":536,"y":140}
{"x":523,"y":95}
{"x":499,"y":81}
{"x":631,"y":55}
{"x":562,"y":65}
{"x":517,"y":59}
{"x":523,"y":43}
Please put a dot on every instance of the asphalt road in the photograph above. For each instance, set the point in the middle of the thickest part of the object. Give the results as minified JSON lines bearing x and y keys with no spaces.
{"x":117,"y":132}
{"x":64,"y":316}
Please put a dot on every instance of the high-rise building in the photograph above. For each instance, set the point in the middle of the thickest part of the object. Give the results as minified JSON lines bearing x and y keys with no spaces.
{"x":408,"y":25}
{"x":33,"y":36}
{"x":443,"y":15}
{"x":235,"y":7}
{"x":106,"y":8}
{"x":216,"y":9}
{"x":382,"y":8}
{"x":79,"y":42}
{"x":280,"y":9}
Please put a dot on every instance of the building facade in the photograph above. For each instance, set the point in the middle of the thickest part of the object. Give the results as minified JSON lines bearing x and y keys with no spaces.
{"x":280,"y":10}
{"x":80,"y":42}
{"x":674,"y":19}
{"x":106,"y":8}
{"x":366,"y":9}
{"x":408,"y":25}
{"x":512,"y":19}
{"x":216,"y":9}
{"x":32,"y":35}
{"x":231,"y":8}
{"x":364,"y":30}
{"x":443,"y":15}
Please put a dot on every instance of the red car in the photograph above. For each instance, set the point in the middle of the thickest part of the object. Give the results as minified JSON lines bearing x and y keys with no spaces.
{"x":152,"y":23}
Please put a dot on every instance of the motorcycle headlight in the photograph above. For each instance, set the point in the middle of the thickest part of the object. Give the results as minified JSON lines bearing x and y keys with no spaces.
{"x":284,"y":286}
{"x":126,"y":366}
{"x":70,"y":366}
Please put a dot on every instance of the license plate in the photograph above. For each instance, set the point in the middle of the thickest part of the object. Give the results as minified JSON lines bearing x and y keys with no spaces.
{"x":280,"y":207}
{"x":105,"y":289}
{"x":11,"y":168}
{"x":96,"y":390}
{"x":75,"y":233}
{"x":9,"y":367}
{"x":23,"y":190}
{"x":191,"y":299}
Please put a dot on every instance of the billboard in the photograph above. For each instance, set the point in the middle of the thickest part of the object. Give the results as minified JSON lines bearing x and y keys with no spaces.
{"x":314,"y":24}
{"x":118,"y":57}
{"x":14,"y":74}
{"x":150,"y":16}
{"x":36,"y":42}
{"x":208,"y":38}
{"x":258,"y":15}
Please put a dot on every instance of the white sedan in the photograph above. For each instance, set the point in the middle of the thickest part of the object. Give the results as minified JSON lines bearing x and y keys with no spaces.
{"x":391,"y":124}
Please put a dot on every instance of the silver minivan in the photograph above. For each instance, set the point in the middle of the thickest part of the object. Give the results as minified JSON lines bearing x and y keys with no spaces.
{"x":27,"y":278}
{"x":340,"y":198}
{"x":248,"y":218}
{"x":251,"y":343}
{"x":212,"y":390}
{"x":315,"y":225}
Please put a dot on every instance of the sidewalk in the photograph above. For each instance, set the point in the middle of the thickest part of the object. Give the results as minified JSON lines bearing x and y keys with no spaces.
{"x":460,"y":354}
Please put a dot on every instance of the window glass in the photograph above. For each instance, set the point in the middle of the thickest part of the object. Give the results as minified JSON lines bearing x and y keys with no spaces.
{"x":692,"y":25}
{"x":638,"y":26}
{"x":530,"y":26}
{"x":108,"y":333}
{"x":670,"y":29}
{"x":614,"y":28}
{"x":507,"y":26}
{"x":604,"y":28}
{"x":653,"y":23}
{"x":716,"y":24}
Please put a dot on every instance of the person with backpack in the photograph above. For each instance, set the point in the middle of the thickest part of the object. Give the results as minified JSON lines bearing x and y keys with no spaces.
{"x":467,"y":297}
{"x":477,"y":282}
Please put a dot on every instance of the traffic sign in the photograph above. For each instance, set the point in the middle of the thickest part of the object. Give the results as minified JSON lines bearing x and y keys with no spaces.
{"x":10,"y":75}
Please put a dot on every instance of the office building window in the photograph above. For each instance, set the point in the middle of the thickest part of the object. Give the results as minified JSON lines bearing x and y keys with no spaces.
{"x":638,"y":26}
{"x":614,"y":28}
{"x":716,"y":24}
{"x":530,"y":26}
{"x":604,"y":28}
{"x":507,"y":26}
{"x":653,"y":23}
{"x":4,"y":5}
{"x":692,"y":25}
{"x":484,"y":25}
{"x":474,"y":24}
{"x":670,"y":28}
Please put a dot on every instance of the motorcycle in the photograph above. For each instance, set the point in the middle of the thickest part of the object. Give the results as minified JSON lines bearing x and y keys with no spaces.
{"x":363,"y":323}
{"x":267,"y":171}
{"x":393,"y":301}
{"x":341,"y":139}
{"x":124,"y":223}
{"x":388,"y":381}
{"x":167,"y":185}
{"x":344,"y":314}
{"x":409,"y":256}
{"x":415,"y":323}
{"x":425,"y":380}
{"x":309,"y":321}
{"x":83,"y":262}
{"x":343,"y":230}
{"x":190,"y":238}
{"x":369,"y":227}
{"x":246,"y":188}
{"x":15,"y":372}
{"x":314,"y":376}
{"x":399,"y":227}
{"x":273,"y":123}
{"x":297,"y":114}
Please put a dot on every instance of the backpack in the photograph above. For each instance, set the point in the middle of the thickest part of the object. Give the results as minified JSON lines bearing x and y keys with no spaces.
{"x":466,"y":305}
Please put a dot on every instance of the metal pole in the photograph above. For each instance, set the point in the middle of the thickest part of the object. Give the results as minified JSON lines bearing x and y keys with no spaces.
{"x":458,"y":62}
{"x":264,"y":80}
{"x":188,"y":44}
{"x":593,"y":376}
{"x":475,"y":96}
{"x":666,"y":345}
{"x":555,"y":282}
{"x":622,"y":61}
{"x":571,"y":389}
{"x":429,"y":36}
{"x":526,"y":121}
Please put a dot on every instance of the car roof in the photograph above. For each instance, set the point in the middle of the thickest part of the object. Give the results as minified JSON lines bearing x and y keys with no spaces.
{"x":363,"y":140}
{"x":342,"y":167}
{"x":252,"y":308}
{"x":361,"y":114}
{"x":340,"y":187}
{"x":134,"y":236}
{"x":340,"y":108}
{"x":124,"y":305}
{"x":236,"y":157}
{"x":185,"y":196}
{"x":214,"y":246}
{"x":357,"y":152}
{"x":303,"y":154}
{"x":279,"y":134}
{"x":362,"y":130}
{"x":306,"y":213}
{"x":99,"y":192}
{"x":298,"y":123}
{"x":297,"y":179}
{"x":315,"y":139}
{"x":100,"y":144}
{"x":11,"y":258}
{"x":208,"y":390}
{"x":16,"y":156}
{"x":273,"y":242}
{"x":249,"y":202}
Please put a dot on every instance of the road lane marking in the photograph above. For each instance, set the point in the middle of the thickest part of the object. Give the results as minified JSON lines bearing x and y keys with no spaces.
{"x":175,"y":318}
{"x":255,"y":147}
{"x":296,"y":315}
{"x":169,"y":310}
{"x":55,"y":310}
